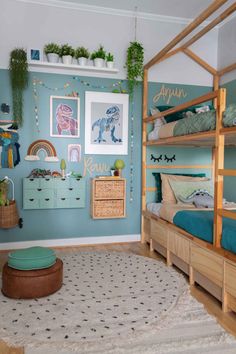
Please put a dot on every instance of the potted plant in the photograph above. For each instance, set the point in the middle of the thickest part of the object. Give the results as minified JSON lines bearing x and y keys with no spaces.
{"x":82,"y":55}
{"x":119,"y":165}
{"x":110,"y":60}
{"x":98,"y":57}
{"x":134,"y":64}
{"x":52,"y":51}
{"x":18,"y":69}
{"x":67,"y":54}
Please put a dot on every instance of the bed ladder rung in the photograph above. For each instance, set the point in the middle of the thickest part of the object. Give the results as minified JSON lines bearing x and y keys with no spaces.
{"x":227,"y":213}
{"x":225,"y":172}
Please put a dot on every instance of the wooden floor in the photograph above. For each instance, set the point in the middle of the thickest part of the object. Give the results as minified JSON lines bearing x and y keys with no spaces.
{"x":228,"y":320}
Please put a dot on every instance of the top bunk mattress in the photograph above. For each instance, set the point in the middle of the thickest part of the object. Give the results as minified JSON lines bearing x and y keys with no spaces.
{"x":195,"y":123}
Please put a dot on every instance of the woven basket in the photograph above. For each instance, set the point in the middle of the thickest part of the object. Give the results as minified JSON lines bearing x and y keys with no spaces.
{"x":108,"y":208}
{"x":9,"y":216}
{"x":109,"y":189}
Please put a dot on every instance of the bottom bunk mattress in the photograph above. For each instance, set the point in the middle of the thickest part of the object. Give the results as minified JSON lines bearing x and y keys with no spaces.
{"x":199,"y":223}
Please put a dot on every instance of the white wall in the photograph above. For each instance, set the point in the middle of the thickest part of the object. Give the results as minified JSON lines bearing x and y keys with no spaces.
{"x":227,"y":48}
{"x":33,"y":25}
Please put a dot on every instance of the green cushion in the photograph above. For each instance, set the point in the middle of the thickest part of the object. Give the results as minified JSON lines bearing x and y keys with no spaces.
{"x":32,"y":258}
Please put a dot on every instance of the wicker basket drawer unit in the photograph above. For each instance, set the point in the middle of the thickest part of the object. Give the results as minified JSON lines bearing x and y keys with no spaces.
{"x":108,"y":198}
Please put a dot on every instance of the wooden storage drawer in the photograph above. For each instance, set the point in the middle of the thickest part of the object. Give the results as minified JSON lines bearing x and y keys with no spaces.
{"x":179,"y":246}
{"x":230,"y":279}
{"x":109,"y":208}
{"x":208,"y":264}
{"x":159,"y":233}
{"x":109,"y":189}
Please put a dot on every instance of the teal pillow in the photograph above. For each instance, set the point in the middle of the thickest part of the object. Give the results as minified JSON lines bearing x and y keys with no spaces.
{"x":157,"y":176}
{"x":32,"y":258}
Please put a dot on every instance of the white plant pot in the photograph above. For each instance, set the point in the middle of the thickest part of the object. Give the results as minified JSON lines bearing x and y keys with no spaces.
{"x":82,"y":61}
{"x":110,"y":64}
{"x":98,"y":62}
{"x":67,"y":59}
{"x":53,"y":57}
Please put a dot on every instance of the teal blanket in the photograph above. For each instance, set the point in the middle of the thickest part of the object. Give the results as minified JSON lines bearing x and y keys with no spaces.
{"x":200,"y":224}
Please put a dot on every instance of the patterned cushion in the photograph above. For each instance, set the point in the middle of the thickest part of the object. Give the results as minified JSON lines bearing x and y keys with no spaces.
{"x":32,"y":258}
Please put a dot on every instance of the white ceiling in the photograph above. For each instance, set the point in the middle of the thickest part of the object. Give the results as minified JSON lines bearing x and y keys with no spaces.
{"x":176,"y":8}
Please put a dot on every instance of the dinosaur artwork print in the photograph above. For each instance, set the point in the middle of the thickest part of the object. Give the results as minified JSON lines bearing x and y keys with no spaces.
{"x":65,"y":120}
{"x":107,"y":124}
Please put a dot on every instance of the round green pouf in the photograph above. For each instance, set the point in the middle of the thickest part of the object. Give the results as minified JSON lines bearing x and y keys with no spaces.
{"x":32,"y":258}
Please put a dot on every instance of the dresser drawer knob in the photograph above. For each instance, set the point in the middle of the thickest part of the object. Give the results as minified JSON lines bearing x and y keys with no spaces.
{"x":77,"y":198}
{"x":39,"y":189}
{"x":63,"y":198}
{"x":31,"y":200}
{"x":70,"y":189}
{"x":47,"y":199}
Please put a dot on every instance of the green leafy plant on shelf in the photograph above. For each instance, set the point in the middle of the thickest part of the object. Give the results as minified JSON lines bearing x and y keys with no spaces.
{"x":82,"y":52}
{"x":18,"y":68}
{"x":109,"y":57}
{"x":134,"y":64}
{"x":100,"y":53}
{"x":52,"y":48}
{"x":4,"y":201}
{"x":66,"y":50}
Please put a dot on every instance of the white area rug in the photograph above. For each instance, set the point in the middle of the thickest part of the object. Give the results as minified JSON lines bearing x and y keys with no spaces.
{"x":114,"y":303}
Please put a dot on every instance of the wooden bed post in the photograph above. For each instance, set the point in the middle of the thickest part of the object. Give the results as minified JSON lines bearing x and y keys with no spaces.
{"x":219,"y":164}
{"x":144,"y":158}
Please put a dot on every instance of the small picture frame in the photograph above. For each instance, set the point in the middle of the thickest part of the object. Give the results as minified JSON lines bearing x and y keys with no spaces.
{"x":74,"y":152}
{"x":35,"y":54}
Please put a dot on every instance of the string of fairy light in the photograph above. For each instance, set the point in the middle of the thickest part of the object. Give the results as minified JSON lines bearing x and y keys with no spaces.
{"x":116,"y":87}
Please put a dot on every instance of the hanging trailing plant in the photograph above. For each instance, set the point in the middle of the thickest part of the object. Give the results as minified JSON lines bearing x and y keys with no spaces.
{"x":18,"y":68}
{"x":134,"y":64}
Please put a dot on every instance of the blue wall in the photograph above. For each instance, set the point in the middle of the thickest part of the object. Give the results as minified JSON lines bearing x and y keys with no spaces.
{"x":71,"y":223}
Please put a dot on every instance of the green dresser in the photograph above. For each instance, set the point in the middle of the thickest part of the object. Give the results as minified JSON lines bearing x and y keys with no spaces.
{"x":53,"y":193}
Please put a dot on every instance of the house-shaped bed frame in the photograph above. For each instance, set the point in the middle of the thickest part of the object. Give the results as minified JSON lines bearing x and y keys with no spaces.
{"x":209,"y":265}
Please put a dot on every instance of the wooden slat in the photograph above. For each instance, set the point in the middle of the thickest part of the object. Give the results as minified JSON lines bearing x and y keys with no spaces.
{"x":228,"y":131}
{"x":227,"y":214}
{"x":216,"y":86}
{"x":211,"y":25}
{"x":144,"y":154}
{"x":178,"y":167}
{"x":180,"y":140}
{"x":219,"y":164}
{"x":194,"y":24}
{"x":224,"y":172}
{"x":200,"y":61}
{"x":204,"y":98}
{"x":170,"y":54}
{"x":227,"y":69}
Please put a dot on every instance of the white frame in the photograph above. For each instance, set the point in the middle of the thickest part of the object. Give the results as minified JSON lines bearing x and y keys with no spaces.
{"x":104,"y":97}
{"x":52,"y":118}
{"x":69,"y":147}
{"x":41,"y":53}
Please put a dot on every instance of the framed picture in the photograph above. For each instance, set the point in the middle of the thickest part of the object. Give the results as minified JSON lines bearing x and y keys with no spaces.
{"x":106,"y":123}
{"x":34,"y":54}
{"x":64,"y":117}
{"x":74,"y":153}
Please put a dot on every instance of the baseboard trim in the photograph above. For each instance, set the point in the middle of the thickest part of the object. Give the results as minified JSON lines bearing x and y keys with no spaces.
{"x":64,"y":242}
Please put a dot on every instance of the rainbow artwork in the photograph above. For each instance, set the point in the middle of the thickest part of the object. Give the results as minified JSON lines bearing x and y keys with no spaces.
{"x":38,"y":146}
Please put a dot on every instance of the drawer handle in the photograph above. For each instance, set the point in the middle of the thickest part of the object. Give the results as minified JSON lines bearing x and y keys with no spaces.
{"x":31,"y":179}
{"x":77,"y":198}
{"x":39,"y":189}
{"x":47,"y":179}
{"x":77,"y":179}
{"x":63,"y":179}
{"x":70,"y":189}
{"x":63,"y":198}
{"x":47,"y":199}
{"x":31,"y":200}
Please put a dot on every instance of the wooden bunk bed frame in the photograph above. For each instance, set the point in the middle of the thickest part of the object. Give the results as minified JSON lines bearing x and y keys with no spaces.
{"x":208,"y":265}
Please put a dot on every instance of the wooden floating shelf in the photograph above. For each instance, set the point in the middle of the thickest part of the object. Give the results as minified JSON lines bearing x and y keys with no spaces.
{"x":73,"y":67}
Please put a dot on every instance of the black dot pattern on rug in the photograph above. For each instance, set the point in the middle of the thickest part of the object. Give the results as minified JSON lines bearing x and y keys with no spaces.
{"x":104,"y":295}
